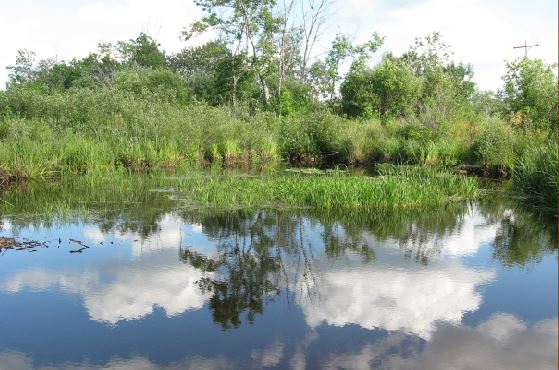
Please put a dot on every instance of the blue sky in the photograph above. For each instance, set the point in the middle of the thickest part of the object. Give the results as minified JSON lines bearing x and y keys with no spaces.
{"x":479,"y":32}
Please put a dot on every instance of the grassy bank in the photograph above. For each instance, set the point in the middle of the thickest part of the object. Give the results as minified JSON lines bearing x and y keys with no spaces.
{"x":140,"y":135}
{"x":83,"y":131}
{"x":101,"y":115}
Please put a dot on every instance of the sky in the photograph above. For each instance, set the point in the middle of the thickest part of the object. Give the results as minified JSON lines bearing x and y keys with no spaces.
{"x":479,"y":32}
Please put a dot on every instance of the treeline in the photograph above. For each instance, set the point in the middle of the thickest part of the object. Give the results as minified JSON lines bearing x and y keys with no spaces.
{"x":257,"y":93}
{"x":423,"y":85}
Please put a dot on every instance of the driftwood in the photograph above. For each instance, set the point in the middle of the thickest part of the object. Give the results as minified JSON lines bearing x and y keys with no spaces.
{"x":12,"y":243}
{"x":496,"y":172}
{"x":32,"y":245}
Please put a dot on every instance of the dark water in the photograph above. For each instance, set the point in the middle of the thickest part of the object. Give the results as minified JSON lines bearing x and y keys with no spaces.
{"x":165,"y":286}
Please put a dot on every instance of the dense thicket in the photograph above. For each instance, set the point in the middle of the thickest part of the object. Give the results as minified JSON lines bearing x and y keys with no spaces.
{"x":255,"y":94}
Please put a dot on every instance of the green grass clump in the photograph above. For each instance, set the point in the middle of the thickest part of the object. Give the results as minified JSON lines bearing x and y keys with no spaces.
{"x":328,"y":192}
{"x":535,"y":178}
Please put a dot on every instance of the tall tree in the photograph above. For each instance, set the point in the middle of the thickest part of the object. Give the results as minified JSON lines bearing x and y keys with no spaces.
{"x":247,"y":27}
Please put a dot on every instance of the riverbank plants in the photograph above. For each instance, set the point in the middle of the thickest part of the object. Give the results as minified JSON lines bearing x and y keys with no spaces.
{"x":130,"y":108}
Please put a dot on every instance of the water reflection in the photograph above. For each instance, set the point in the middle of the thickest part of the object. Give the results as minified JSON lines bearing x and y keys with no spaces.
{"x":135,"y":289}
{"x":378,"y":290}
{"x":398,"y":297}
{"x":240,"y":261}
{"x":501,"y":342}
{"x":20,"y":361}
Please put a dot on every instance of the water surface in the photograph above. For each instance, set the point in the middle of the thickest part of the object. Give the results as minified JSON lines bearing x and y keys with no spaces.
{"x":166,"y":286}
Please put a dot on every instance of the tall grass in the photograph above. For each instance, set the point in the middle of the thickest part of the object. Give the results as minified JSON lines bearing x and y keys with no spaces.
{"x":147,"y":131}
{"x":535,"y":178}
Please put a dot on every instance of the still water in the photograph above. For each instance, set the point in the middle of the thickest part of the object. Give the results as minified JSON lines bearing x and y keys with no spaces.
{"x":167,"y":286}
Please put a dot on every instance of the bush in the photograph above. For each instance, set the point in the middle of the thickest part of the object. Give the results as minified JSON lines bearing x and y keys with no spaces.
{"x":316,"y":136}
{"x":493,"y":146}
{"x":159,"y":83}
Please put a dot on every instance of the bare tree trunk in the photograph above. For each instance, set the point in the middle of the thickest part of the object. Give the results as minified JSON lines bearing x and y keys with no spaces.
{"x":283,"y":42}
{"x":313,"y":21}
{"x":249,"y":40}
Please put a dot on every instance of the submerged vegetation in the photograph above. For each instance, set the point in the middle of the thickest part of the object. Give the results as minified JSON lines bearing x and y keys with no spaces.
{"x":129,"y":107}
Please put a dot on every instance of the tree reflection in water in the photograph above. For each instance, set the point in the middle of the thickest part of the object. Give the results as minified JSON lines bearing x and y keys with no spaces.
{"x":265,"y":253}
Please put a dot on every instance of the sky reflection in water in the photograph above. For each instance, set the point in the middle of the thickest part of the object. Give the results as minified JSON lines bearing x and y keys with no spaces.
{"x":278,"y":289}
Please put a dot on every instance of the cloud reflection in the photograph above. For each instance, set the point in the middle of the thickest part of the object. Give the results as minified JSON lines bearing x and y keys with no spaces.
{"x":411,"y":299}
{"x":501,"y":342}
{"x":19,"y":361}
{"x":137,"y":287}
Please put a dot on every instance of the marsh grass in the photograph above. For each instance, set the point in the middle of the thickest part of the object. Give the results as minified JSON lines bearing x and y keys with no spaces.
{"x":80,"y":131}
{"x":535,"y":178}
{"x":334,"y":191}
{"x":93,"y":132}
{"x":103,"y":192}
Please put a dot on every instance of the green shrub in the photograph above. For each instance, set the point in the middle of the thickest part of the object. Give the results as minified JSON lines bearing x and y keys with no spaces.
{"x":493,"y":146}
{"x":157,"y":83}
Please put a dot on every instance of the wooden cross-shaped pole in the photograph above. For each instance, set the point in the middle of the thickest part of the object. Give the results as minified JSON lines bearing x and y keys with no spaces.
{"x":526,"y":47}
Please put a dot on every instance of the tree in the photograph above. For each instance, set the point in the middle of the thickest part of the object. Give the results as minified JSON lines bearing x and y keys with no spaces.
{"x":427,"y":54}
{"x":203,"y":69}
{"x":23,"y":70}
{"x":314,"y":17}
{"x":267,"y":39}
{"x":390,"y":88}
{"x":246,"y":25}
{"x":343,"y":49}
{"x":531,"y":91}
{"x":143,"y":51}
{"x":447,"y":86}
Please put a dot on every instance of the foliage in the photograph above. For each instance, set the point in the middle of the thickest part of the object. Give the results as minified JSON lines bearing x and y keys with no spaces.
{"x":494,"y":144}
{"x":147,"y":82}
{"x":536,"y":175}
{"x":530,"y":93}
{"x":390,"y":88}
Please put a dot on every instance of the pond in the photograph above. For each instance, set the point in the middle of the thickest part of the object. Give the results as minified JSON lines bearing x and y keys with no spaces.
{"x":135,"y":278}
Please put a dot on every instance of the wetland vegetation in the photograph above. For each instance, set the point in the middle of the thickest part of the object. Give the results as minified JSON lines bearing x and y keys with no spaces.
{"x":254,"y":98}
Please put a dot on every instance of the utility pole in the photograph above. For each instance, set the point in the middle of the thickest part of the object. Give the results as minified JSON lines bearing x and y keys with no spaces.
{"x":526,"y":47}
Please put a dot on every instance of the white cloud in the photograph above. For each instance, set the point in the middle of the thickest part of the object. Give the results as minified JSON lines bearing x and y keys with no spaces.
{"x":473,"y":231}
{"x":516,"y":346}
{"x":136,"y":290}
{"x":270,"y":356}
{"x":171,"y":231}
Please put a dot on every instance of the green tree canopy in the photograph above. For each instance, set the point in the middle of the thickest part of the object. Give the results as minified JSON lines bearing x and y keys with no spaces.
{"x":530,"y":92}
